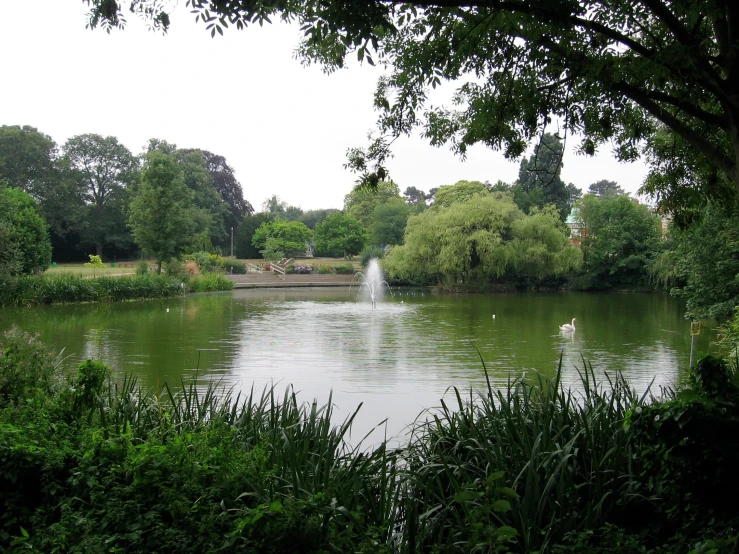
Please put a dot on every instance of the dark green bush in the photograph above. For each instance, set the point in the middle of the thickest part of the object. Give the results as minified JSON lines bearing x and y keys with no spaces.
{"x":344,"y":269}
{"x":209,"y":282}
{"x":26,"y":369}
{"x":232,"y":265}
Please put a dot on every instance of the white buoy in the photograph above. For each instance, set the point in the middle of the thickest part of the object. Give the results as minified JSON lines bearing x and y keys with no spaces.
{"x":167,"y":309}
{"x":493,"y":316}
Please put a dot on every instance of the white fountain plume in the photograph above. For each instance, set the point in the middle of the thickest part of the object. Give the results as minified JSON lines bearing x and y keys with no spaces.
{"x":372,"y":282}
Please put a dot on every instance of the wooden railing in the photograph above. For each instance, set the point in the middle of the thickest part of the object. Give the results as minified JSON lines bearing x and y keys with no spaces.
{"x":253,"y":268}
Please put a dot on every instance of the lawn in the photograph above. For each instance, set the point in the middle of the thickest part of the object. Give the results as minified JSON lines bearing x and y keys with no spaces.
{"x":78,"y":268}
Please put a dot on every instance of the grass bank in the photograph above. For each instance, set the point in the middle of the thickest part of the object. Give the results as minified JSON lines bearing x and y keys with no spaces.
{"x":32,"y":290}
{"x":91,"y":464}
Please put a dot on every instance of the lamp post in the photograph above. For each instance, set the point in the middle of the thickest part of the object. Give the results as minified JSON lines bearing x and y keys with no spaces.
{"x":232,"y":242}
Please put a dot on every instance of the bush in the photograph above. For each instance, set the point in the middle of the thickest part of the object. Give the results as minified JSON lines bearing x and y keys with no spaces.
{"x":370,"y":252}
{"x":232,"y":265}
{"x":209,"y":282}
{"x":25,"y":368}
{"x":142,"y":268}
{"x":323,"y":269}
{"x":344,"y":269}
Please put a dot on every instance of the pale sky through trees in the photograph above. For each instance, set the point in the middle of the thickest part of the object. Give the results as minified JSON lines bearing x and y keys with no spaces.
{"x":284,"y":128}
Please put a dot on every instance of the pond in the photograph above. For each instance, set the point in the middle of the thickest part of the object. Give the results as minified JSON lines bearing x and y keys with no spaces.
{"x":396,"y":359}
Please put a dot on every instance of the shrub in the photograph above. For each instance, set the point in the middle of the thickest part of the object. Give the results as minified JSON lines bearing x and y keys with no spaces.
{"x":323,"y":269}
{"x":344,"y":269}
{"x":302,"y":269}
{"x":232,"y":265}
{"x":209,"y":282}
{"x":26,"y":368}
{"x":142,"y":268}
{"x":370,"y":252}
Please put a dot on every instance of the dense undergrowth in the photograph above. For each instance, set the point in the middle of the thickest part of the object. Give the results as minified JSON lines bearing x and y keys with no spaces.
{"x":30,"y":290}
{"x":93,"y":463}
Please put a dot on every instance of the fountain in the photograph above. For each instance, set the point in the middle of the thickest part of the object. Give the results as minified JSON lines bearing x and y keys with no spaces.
{"x":372,"y":282}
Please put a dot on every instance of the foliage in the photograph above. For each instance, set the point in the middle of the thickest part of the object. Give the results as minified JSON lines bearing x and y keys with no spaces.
{"x":161,"y":209}
{"x":415,"y":197}
{"x":687,"y":456}
{"x":461,"y":191}
{"x":340,"y":235}
{"x":388,"y":222}
{"x":479,"y":240}
{"x":25,"y":369}
{"x":271,"y":251}
{"x":32,"y":290}
{"x":27,"y":159}
{"x":369,"y":253}
{"x":102,"y":168}
{"x":289,"y":237}
{"x":344,"y":269}
{"x":705,"y":262}
{"x":311,"y":218}
{"x":232,"y":265}
{"x":622,"y":239}
{"x":243,"y":247}
{"x":95,"y":262}
{"x":279,"y":209}
{"x":207,"y":262}
{"x":539,"y":181}
{"x":361,"y":202}
{"x":225,"y":183}
{"x":142,"y":268}
{"x":614,"y":73}
{"x":604,"y":187}
{"x":24,"y":235}
{"x":209,"y":282}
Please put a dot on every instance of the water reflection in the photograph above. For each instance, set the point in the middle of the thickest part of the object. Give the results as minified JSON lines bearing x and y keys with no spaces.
{"x":397,"y":359}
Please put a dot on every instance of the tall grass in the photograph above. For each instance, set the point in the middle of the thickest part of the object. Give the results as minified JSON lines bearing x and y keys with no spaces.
{"x":533,"y":457}
{"x":31,"y":290}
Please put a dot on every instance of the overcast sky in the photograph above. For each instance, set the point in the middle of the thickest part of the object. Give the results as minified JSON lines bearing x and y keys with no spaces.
{"x":283,"y":127}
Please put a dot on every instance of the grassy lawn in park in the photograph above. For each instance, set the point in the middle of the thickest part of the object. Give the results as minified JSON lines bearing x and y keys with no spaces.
{"x":78,"y":268}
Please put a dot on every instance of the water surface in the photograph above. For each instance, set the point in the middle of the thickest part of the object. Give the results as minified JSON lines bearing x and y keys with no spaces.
{"x":397,"y":359}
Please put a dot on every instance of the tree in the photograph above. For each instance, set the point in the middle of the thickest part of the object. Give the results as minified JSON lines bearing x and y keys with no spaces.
{"x":604,"y":187}
{"x":415,"y":197}
{"x":360,"y":203}
{"x":615,"y":72}
{"x":226,"y":184}
{"x":311,"y":218}
{"x":480,"y":240}
{"x":29,"y":161}
{"x":621,"y":240}
{"x":103,"y":168}
{"x":243,"y":247}
{"x":340,"y":235}
{"x":461,"y":191}
{"x":539,"y":181}
{"x":281,"y":209}
{"x":161,"y":210}
{"x":707,"y":266}
{"x":24,"y":235}
{"x":290,"y":237}
{"x":388,"y":222}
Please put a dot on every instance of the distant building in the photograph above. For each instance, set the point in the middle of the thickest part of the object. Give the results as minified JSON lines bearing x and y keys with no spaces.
{"x":577,"y":229}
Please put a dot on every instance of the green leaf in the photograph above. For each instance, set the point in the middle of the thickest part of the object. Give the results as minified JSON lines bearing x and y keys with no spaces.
{"x":24,"y":532}
{"x":466,"y":496}
{"x":505,"y":533}
{"x":501,"y":506}
{"x":275,"y":507}
{"x":495,"y":476}
{"x":507,"y":491}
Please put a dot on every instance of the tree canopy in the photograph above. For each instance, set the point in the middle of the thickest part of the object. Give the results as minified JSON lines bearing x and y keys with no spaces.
{"x":288,"y":237}
{"x":649,"y":72}
{"x":24,"y":235}
{"x":161,"y":210}
{"x":482,"y":239}
{"x":340,"y":235}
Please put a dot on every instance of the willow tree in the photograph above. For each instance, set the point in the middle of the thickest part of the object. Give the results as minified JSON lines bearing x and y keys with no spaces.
{"x":659,"y":76}
{"x":482,"y":239}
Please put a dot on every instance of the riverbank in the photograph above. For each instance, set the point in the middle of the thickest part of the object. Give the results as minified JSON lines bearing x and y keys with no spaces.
{"x":93,"y":464}
{"x":33,"y":290}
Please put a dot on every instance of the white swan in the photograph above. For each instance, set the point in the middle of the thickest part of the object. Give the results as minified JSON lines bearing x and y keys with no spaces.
{"x":567,"y":326}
